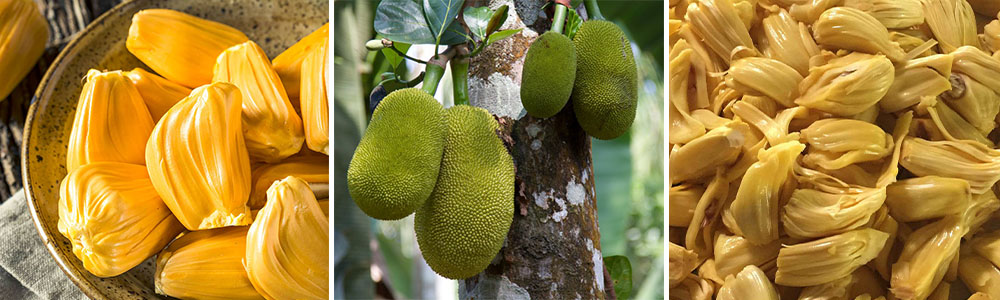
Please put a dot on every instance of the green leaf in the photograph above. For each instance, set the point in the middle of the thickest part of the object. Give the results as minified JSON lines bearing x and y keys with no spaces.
{"x":499,"y":35}
{"x":621,"y":273}
{"x":400,"y":267}
{"x":477,"y":18}
{"x":440,"y":15}
{"x":455,"y":34}
{"x":394,"y":58}
{"x":497,"y":20}
{"x":403,"y":21}
{"x":573,"y":22}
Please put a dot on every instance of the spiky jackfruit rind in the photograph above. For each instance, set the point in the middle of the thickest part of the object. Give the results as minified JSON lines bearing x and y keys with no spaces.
{"x":548,"y":75}
{"x":464,"y":223}
{"x":606,"y":87}
{"x":396,"y":164}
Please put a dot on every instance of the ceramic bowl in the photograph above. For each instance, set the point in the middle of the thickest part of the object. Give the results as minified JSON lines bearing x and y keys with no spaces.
{"x":275,"y":25}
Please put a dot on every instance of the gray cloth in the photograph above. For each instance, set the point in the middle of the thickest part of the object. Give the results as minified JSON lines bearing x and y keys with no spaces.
{"x":27,"y":270}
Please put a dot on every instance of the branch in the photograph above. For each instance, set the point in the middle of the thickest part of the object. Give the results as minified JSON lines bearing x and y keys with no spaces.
{"x":460,"y":74}
{"x":435,"y":70}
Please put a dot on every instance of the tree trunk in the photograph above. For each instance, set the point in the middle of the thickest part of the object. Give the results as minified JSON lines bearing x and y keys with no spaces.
{"x":553,"y":249}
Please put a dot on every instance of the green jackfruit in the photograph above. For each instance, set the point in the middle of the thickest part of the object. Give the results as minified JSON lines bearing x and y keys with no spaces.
{"x":606,"y":87}
{"x":396,"y":164}
{"x":465,"y":221}
{"x":548,"y":74}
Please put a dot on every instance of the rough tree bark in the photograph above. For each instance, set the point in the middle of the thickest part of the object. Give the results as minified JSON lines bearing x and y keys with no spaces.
{"x":553,"y":248}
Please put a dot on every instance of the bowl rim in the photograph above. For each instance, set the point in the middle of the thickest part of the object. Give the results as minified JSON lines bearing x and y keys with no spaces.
{"x":81,"y":282}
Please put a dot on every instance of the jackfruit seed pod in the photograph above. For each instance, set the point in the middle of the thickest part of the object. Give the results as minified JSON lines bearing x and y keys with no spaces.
{"x":314,"y":102}
{"x":978,"y":65}
{"x":987,"y":245}
{"x":928,"y":197}
{"x":788,"y":41}
{"x":755,"y":209}
{"x":917,"y":78}
{"x":750,"y":283}
{"x":313,"y":169}
{"x":179,"y":46}
{"x":882,"y":221}
{"x":848,"y":85}
{"x":747,"y":10}
{"x":197,"y":159}
{"x":811,"y":213}
{"x":951,"y":125}
{"x":974,"y":162}
{"x":808,"y":11}
{"x":980,"y":209}
{"x":910,"y":43}
{"x":719,"y":24}
{"x":991,"y":36}
{"x":287,"y":245}
{"x":288,"y":64}
{"x":851,"y":29}
{"x":733,"y":253}
{"x":159,"y":93}
{"x":765,"y":77}
{"x":861,"y":282}
{"x":952,"y":22}
{"x":683,"y":200}
{"x":111,"y":122}
{"x":723,"y":145}
{"x":926,"y":255}
{"x":113,"y":217}
{"x":837,"y":143}
{"x":206,"y":264}
{"x":23,"y":33}
{"x":683,"y":127}
{"x":891,"y":13}
{"x":271,"y":128}
{"x":692,"y":288}
{"x":681,"y":261}
{"x":979,"y":275}
{"x":828,"y":259}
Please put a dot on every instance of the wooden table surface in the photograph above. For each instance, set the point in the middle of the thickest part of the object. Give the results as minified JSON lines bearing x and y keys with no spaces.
{"x":66,"y":18}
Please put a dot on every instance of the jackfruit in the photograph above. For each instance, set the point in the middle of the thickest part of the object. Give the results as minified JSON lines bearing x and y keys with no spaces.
{"x":950,"y":124}
{"x":788,"y":41}
{"x":765,"y":77}
{"x":975,"y":102}
{"x":716,"y":21}
{"x":606,"y":87}
{"x":750,"y":283}
{"x":271,"y":128}
{"x":891,"y":13}
{"x":918,"y":78}
{"x":928,"y":197}
{"x":837,"y":143}
{"x":287,"y":246}
{"x":113,"y":217}
{"x":23,"y":33}
{"x":978,"y":65}
{"x":847,"y":85}
{"x":398,"y":159}
{"x":987,"y":245}
{"x":861,"y":282}
{"x":926,"y":255}
{"x":724,"y":144}
{"x":288,"y":64}
{"x":312,"y":169}
{"x":851,"y":29}
{"x":812,"y":213}
{"x":755,"y":209}
{"x":111,"y":124}
{"x":981,"y":208}
{"x":979,"y":275}
{"x":683,"y":126}
{"x":548,"y":74}
{"x":733,"y":253}
{"x":159,"y":93}
{"x":314,"y":102}
{"x":179,"y":46}
{"x":808,"y":11}
{"x":683,"y":200}
{"x":197,"y":159}
{"x":952,"y":22}
{"x":464,"y":223}
{"x":681,"y":261}
{"x":828,"y":259}
{"x":206,"y":264}
{"x":692,"y":288}
{"x":972,"y":161}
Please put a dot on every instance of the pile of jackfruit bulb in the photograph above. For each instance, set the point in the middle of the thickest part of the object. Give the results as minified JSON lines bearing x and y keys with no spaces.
{"x":206,"y":163}
{"x":840,"y":149}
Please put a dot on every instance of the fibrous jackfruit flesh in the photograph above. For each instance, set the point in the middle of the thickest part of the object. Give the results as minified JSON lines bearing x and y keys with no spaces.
{"x":312,"y":169}
{"x":750,"y":283}
{"x":113,"y":217}
{"x":112,"y":123}
{"x":548,"y":74}
{"x":464,"y":223}
{"x":197,"y":159}
{"x":396,"y":164}
{"x":206,"y":264}
{"x":23,"y":33}
{"x":288,"y":64}
{"x":606,"y":87}
{"x":159,"y":93}
{"x":314,"y":101}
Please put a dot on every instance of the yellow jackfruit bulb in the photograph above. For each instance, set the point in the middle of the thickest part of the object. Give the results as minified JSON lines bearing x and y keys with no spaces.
{"x":750,"y":283}
{"x":206,"y":264}
{"x":113,"y":217}
{"x":987,"y":245}
{"x":953,"y":23}
{"x":972,"y":161}
{"x":733,"y":253}
{"x":891,"y":13}
{"x":681,"y":261}
{"x":23,"y":34}
{"x":979,"y":275}
{"x":910,"y":43}
{"x":848,"y":85}
{"x":692,"y":288}
{"x":179,"y":46}
{"x":788,"y":41}
{"x":808,"y":11}
{"x":314,"y":101}
{"x":918,"y":78}
{"x":828,"y":259}
{"x":288,"y":64}
{"x":271,"y":128}
{"x":683,"y":201}
{"x":287,"y":247}
{"x":928,"y":197}
{"x":197,"y":159}
{"x":837,"y":143}
{"x":852,"y":29}
{"x":112,"y":123}
{"x":860,"y":284}
{"x":719,"y":23}
{"x":683,"y":126}
{"x":925,"y":258}
{"x":159,"y":93}
{"x":978,"y":65}
{"x":951,"y":123}
{"x":755,"y":209}
{"x":813,"y":213}
{"x":980,"y":209}
{"x":991,"y":36}
{"x":724,"y":145}
{"x":765,"y":77}
{"x":312,"y":169}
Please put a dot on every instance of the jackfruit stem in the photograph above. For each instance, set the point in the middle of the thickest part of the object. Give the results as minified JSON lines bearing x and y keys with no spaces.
{"x":460,"y":74}
{"x":559,"y":18}
{"x":435,"y":69}
{"x":593,"y":12}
